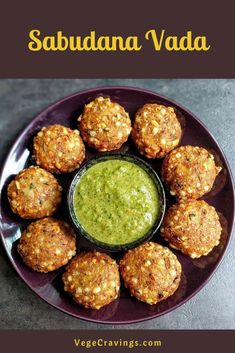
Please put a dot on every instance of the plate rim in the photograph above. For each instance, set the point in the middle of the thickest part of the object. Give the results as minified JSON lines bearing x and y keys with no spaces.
{"x":94,"y":90}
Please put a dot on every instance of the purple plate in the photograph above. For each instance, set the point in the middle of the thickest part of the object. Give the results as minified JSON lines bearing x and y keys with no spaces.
{"x":125,"y":309}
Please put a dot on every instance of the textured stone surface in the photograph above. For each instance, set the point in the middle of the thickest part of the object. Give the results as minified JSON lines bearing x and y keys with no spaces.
{"x":213,"y":101}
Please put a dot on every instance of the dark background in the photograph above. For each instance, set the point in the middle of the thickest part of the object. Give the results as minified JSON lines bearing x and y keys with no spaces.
{"x":214,"y":19}
{"x":213,"y":101}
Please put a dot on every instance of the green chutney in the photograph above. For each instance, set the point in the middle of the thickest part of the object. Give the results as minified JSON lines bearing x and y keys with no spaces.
{"x":116,"y":202}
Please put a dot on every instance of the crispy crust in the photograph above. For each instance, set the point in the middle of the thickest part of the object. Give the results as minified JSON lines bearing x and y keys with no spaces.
{"x":156,"y":130}
{"x":193,"y":227}
{"x":92,"y":279}
{"x":151,"y":272}
{"x":34,"y":193}
{"x":189,"y":172}
{"x":47,"y":244}
{"x":58,"y":149}
{"x":104,"y":125}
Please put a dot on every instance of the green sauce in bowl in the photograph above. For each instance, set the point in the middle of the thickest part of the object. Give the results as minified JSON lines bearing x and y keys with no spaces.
{"x":116,"y":201}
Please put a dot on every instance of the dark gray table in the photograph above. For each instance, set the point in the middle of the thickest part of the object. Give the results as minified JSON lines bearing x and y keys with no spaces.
{"x":213,"y":101}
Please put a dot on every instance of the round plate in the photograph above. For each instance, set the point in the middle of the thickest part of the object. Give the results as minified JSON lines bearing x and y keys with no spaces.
{"x":125,"y":309}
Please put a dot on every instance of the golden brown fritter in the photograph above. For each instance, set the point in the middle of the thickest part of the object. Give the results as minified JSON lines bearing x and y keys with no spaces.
{"x":193,"y":227}
{"x":104,"y":125}
{"x":58,"y":149}
{"x":151,"y":272}
{"x":47,"y":244}
{"x":156,"y":130}
{"x":92,"y":279}
{"x":189,"y":172}
{"x":34,"y":193}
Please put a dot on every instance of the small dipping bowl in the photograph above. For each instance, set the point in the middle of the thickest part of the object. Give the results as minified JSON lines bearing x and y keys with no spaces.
{"x":75,"y":217}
